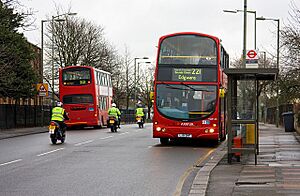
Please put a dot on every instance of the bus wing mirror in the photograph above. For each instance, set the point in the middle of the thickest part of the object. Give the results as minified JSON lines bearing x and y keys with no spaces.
{"x":151,"y":96}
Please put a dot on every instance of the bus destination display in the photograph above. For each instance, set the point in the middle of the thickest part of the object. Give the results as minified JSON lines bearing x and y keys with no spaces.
{"x":186,"y":74}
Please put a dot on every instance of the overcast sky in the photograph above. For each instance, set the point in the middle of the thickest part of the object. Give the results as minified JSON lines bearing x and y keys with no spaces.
{"x":138,"y":24}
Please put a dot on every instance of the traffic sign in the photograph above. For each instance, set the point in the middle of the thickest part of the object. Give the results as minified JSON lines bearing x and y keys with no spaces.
{"x":42,"y":89}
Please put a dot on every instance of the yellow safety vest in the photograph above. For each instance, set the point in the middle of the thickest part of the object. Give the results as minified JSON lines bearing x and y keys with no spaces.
{"x":58,"y":114}
{"x":139,"y":112}
{"x":114,"y":111}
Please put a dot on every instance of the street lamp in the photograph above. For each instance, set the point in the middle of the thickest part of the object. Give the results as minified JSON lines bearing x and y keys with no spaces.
{"x":277,"y":65}
{"x":245,"y":32}
{"x":52,"y":48}
{"x":138,"y":69}
{"x":248,"y":11}
{"x":42,"y":38}
{"x":135,"y":77}
{"x":42,"y":57}
{"x":278,"y":30}
{"x":138,"y":72}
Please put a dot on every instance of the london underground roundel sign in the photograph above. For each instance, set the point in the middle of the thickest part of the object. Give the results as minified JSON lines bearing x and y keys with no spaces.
{"x":251,"y":54}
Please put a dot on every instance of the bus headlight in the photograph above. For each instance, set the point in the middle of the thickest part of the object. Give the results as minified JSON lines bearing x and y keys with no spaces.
{"x":211,"y":130}
{"x":206,"y":130}
{"x":158,"y":129}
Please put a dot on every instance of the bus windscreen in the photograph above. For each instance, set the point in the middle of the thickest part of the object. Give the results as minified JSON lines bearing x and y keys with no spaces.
{"x":78,"y":99}
{"x":186,"y":102}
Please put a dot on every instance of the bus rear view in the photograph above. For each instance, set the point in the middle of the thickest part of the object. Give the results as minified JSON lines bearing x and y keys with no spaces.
{"x":86,"y":93}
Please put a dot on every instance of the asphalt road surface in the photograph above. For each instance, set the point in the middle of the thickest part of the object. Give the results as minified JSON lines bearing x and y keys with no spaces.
{"x":97,"y":162}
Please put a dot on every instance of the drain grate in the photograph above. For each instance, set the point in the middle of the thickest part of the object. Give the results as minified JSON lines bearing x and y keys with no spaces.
{"x":251,"y":183}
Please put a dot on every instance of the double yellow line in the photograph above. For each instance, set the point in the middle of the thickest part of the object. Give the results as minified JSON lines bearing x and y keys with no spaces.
{"x":188,"y":171}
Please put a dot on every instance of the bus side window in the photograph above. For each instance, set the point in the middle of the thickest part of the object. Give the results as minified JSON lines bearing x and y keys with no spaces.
{"x":222,"y":58}
{"x":100,"y":79}
{"x":99,"y":102}
{"x":109,"y":81}
{"x":96,"y":76}
{"x":105,"y":80}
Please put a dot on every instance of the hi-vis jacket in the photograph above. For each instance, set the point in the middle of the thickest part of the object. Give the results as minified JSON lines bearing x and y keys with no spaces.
{"x":58,"y":114}
{"x":114,"y":111}
{"x":139,"y":112}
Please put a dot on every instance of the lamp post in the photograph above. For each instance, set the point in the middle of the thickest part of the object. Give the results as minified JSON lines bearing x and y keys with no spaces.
{"x":42,"y":38}
{"x":248,"y":11}
{"x":52,"y":47}
{"x":244,"y":29}
{"x":277,"y":65}
{"x":138,"y":69}
{"x":135,"y":77}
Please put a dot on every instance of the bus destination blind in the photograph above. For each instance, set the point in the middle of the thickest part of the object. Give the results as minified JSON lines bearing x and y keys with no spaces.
{"x":186,"y":74}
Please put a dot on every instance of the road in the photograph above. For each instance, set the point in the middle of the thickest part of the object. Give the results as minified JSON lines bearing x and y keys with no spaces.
{"x":97,"y":162}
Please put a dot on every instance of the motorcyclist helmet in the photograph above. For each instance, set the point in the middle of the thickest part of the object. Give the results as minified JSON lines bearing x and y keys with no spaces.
{"x":59,"y":104}
{"x":113,"y":105}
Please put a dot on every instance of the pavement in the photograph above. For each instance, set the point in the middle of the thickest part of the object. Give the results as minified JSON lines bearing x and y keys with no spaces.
{"x":9,"y":133}
{"x":277,"y":171}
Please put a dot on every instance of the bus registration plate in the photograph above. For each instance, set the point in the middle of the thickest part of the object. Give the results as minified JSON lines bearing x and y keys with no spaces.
{"x":185,"y":135}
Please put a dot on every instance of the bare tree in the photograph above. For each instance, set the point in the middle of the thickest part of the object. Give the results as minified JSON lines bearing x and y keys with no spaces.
{"x":76,"y":41}
{"x":290,"y":51}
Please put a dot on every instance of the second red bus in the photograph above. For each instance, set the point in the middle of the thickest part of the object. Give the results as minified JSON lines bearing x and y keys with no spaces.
{"x":86,"y":93}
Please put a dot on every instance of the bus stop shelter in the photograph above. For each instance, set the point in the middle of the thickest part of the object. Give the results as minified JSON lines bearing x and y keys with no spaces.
{"x":242,"y":109}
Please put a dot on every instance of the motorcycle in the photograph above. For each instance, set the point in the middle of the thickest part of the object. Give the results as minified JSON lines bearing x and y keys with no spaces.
{"x":112,"y":123}
{"x":140,"y":121}
{"x":56,"y":133}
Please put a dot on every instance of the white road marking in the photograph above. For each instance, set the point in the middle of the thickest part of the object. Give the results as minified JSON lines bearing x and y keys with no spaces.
{"x":149,"y":146}
{"x":50,"y":152}
{"x":10,"y":162}
{"x":103,"y":138}
{"x":86,"y":142}
{"x":124,"y":133}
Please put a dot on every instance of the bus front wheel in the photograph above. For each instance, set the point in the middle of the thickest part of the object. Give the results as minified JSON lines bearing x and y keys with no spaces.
{"x":164,"y":141}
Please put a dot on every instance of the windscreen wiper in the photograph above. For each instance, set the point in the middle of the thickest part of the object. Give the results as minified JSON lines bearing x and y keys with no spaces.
{"x":172,"y":87}
{"x":188,"y":86}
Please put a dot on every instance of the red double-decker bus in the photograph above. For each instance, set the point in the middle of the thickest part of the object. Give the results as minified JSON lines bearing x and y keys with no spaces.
{"x":86,"y":93}
{"x":189,"y":87}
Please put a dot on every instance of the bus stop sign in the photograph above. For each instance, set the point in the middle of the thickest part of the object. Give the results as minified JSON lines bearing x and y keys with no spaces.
{"x":251,"y":59}
{"x":251,"y":54}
